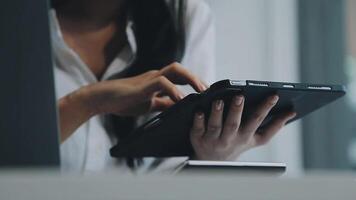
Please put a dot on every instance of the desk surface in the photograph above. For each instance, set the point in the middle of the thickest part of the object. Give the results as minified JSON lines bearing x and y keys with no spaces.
{"x":47,"y":185}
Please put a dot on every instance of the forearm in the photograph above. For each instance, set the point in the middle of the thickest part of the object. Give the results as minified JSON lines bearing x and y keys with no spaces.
{"x":73,"y":112}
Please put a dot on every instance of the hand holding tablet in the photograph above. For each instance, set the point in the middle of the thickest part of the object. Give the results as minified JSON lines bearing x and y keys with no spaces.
{"x":167,"y":134}
{"x":215,"y":139}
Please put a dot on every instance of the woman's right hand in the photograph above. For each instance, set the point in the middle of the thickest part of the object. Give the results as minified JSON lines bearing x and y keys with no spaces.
{"x":152,"y":91}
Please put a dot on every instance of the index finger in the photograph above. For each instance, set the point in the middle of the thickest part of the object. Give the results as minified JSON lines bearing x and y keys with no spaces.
{"x":162,"y":84}
{"x":256,"y":119}
{"x":176,"y":73}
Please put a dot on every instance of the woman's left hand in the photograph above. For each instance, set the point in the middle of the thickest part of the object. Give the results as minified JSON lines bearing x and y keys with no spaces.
{"x":226,"y":141}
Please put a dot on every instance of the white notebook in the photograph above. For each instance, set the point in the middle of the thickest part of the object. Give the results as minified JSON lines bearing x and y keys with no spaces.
{"x":232,"y":167}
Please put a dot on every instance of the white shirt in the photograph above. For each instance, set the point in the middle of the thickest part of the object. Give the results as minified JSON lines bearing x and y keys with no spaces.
{"x":87,"y":149}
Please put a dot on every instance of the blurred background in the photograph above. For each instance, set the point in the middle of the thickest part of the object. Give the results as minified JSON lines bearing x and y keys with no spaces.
{"x":312,"y":41}
{"x":309,"y":41}
{"x":295,"y":40}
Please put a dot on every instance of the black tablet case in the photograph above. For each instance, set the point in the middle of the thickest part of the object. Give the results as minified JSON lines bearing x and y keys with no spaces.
{"x":167,"y":134}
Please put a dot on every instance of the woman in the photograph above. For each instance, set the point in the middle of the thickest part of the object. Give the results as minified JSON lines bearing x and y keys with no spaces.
{"x":119,"y":57}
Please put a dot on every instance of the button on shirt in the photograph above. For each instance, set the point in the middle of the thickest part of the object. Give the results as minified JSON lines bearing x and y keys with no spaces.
{"x":87,"y":149}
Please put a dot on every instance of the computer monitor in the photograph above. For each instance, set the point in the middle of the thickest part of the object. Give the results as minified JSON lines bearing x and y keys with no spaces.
{"x":28,"y":121}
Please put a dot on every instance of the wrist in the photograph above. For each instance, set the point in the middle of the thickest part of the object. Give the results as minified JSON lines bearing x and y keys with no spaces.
{"x":79,"y":101}
{"x":73,"y":112}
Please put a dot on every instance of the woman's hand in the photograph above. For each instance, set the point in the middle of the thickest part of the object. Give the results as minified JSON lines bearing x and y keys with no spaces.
{"x":151,"y":91}
{"x":226,"y":141}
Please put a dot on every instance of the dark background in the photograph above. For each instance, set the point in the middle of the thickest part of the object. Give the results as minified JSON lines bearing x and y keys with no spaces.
{"x":28,"y":128}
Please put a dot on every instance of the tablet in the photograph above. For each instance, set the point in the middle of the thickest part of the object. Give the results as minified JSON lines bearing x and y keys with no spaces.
{"x":167,"y":134}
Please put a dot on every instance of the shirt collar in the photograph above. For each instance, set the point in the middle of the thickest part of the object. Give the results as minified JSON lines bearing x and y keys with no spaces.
{"x":63,"y":51}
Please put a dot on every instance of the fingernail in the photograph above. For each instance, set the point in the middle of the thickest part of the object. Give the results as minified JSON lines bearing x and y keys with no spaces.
{"x":203,"y":87}
{"x":292,"y":115}
{"x":200,"y":115}
{"x":219,"y":104}
{"x":181,"y":96}
{"x":238,"y":100}
{"x":274,"y":99}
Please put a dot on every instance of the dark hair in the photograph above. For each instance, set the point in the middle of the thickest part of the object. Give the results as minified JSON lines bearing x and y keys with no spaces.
{"x":159,"y":31}
{"x":160,"y":36}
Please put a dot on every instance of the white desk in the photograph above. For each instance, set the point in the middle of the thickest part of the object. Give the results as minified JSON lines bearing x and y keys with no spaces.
{"x":43,"y":185}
